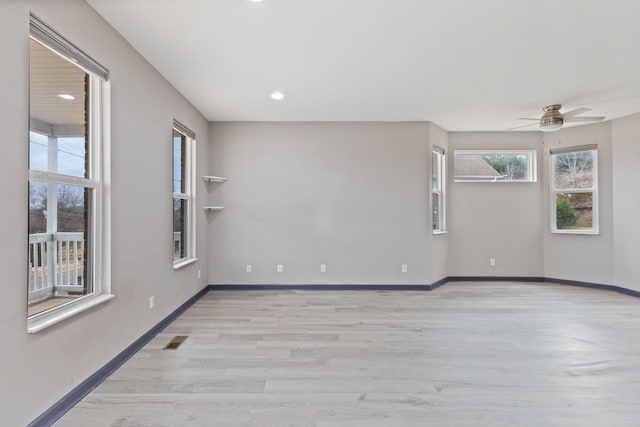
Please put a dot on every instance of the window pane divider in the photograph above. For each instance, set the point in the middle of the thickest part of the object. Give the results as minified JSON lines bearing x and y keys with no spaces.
{"x":55,"y":178}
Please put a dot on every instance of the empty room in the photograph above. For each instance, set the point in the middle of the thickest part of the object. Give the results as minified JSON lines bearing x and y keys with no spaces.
{"x":341,"y":213}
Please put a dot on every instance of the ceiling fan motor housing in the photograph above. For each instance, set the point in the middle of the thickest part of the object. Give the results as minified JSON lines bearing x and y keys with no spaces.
{"x":551,"y":117}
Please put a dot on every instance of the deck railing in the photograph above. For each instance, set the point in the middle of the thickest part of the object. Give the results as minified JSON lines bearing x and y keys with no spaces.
{"x":56,"y":264}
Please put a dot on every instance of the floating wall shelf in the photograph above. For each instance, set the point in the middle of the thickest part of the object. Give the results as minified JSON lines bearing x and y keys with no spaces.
{"x":213,"y":178}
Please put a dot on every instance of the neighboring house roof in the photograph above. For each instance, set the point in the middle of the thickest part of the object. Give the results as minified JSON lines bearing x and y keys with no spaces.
{"x":473,"y":165}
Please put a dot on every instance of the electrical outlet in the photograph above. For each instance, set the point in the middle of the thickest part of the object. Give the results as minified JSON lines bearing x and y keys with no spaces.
{"x":199,"y":274}
{"x":492,"y":262}
{"x":248,"y":268}
{"x":405,"y":268}
{"x":279,"y":268}
{"x":323,"y":268}
{"x":152,"y":302}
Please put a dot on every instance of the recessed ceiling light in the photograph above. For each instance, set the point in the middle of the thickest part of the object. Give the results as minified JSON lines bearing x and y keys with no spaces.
{"x":66,"y":96}
{"x":278,"y":96}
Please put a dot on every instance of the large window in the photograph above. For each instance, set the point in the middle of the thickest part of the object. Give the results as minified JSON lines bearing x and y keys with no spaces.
{"x":184,"y":246}
{"x":438,"y":193}
{"x":494,"y":166}
{"x":574,"y":195}
{"x":68,"y":209}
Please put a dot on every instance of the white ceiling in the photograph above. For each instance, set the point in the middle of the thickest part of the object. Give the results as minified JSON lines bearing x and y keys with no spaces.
{"x":463,"y":64}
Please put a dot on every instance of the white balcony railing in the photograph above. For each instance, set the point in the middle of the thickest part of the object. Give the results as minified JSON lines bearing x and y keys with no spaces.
{"x":56,"y":265}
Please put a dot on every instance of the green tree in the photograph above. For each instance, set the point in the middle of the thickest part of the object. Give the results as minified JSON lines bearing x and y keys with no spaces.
{"x":511,"y":166}
{"x":566,"y":214}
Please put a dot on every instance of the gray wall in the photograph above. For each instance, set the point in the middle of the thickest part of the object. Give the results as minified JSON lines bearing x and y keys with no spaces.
{"x":354,"y":196}
{"x":38,"y":369}
{"x":626,"y":202}
{"x":498,"y":220}
{"x":587,"y":258}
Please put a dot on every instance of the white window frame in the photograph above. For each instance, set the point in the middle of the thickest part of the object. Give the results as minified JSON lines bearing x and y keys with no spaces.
{"x":532,"y":175}
{"x":189,"y":195}
{"x":439,"y":173}
{"x":99,"y":260}
{"x":595,"y":229}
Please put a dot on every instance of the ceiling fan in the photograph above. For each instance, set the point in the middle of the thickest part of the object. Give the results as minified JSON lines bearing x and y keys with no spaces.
{"x":552,"y":119}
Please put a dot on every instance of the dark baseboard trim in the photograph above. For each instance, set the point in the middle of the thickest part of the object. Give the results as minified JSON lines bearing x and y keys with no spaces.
{"x":317,"y":287}
{"x":494,"y":279}
{"x":59,"y":408}
{"x":611,"y":288}
{"x":435,"y":285}
{"x":327,"y":287}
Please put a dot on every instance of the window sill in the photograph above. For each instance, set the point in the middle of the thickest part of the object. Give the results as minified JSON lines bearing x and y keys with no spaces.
{"x":183,"y":263}
{"x":587,"y":233}
{"x":50,"y":318}
{"x":439,"y":232}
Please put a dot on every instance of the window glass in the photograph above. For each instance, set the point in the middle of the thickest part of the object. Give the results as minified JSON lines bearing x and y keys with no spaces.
{"x":180,"y":235}
{"x":179,"y":152}
{"x":494,"y":166}
{"x":574,"y":170}
{"x":438,"y":190}
{"x":574,"y":192}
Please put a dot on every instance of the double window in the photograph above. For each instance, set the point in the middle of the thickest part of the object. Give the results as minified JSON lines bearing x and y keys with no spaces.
{"x":574,"y":190}
{"x":438,"y":185}
{"x":68,"y":242}
{"x":184,"y":236}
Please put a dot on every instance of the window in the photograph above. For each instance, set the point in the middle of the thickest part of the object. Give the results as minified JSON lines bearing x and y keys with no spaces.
{"x":438,"y":183}
{"x":574,"y":195}
{"x":68,"y":243}
{"x":494,"y":166}
{"x":184,"y":236}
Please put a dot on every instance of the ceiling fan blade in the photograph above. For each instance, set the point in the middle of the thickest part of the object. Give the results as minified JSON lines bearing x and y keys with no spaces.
{"x":584,"y":119}
{"x":575,"y":112}
{"x":523,"y":126}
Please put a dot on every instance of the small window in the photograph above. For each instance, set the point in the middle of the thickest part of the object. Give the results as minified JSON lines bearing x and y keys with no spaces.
{"x":68,"y":242}
{"x":574,"y":196}
{"x":494,"y":166}
{"x":184,"y":247}
{"x":438,"y":194}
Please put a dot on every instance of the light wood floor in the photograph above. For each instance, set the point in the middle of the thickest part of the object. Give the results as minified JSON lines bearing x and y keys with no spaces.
{"x":480,"y":354}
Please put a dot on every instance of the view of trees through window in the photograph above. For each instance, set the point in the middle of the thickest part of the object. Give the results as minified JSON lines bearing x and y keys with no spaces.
{"x":574,"y":190}
{"x":494,"y":166}
{"x":510,"y":166}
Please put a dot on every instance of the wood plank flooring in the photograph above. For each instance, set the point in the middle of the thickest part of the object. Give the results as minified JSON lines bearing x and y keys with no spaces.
{"x":467,"y":354}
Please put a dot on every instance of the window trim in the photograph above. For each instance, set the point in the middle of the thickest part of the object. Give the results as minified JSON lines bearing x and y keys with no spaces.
{"x":532,"y":165}
{"x":99,"y":178}
{"x":595,"y":214}
{"x":439,"y":154}
{"x":189,"y":195}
